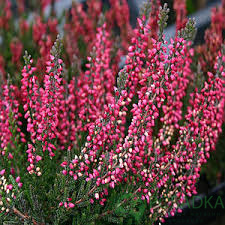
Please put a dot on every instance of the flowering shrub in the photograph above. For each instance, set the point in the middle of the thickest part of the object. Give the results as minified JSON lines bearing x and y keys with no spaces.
{"x":207,"y":54}
{"x":83,"y":145}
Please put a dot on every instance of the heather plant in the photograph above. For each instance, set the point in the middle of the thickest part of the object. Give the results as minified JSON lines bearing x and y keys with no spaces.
{"x":213,"y":39}
{"x":85,"y":143}
{"x":27,"y":27}
{"x":207,"y":53}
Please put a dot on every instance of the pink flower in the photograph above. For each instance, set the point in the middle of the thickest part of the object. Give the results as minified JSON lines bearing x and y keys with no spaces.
{"x":38,"y":158}
{"x":97,"y":196}
{"x":17,"y":179}
{"x":10,"y":187}
{"x":2,"y":172}
{"x":71,"y":205}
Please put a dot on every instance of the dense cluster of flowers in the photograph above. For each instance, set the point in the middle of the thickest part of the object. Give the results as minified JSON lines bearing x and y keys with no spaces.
{"x":213,"y":39}
{"x":78,"y":133}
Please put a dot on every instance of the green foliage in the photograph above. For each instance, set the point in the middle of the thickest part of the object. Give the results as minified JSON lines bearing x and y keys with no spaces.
{"x":163,"y":17}
{"x":189,"y":32}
